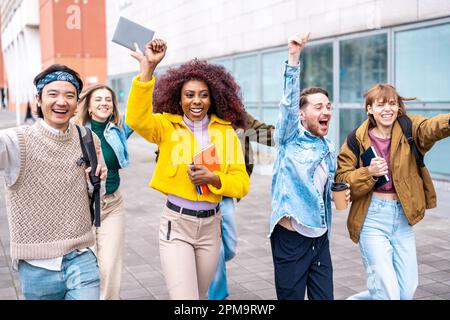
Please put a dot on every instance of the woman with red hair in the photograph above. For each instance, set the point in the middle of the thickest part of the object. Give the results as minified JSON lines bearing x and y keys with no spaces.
{"x":382,"y":216}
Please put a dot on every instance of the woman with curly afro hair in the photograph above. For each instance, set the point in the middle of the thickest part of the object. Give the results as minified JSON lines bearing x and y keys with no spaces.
{"x":226,"y":102}
{"x":192,"y":107}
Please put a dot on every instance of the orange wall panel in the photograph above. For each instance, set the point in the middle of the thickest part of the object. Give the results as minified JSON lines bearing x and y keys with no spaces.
{"x":46,"y":29}
{"x":94,"y":29}
{"x":95,"y":67}
{"x":67,"y":28}
{"x":74,"y":33}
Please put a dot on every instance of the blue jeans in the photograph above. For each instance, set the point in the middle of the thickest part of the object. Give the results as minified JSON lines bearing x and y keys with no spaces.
{"x":78,"y":279}
{"x":388,"y":251}
{"x":218,"y":289}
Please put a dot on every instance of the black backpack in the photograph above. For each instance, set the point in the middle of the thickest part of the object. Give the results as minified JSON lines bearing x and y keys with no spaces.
{"x":406,"y":125}
{"x":90,"y":159}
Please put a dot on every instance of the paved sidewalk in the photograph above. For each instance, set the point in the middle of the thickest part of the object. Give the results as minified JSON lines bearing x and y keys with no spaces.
{"x":250,"y":273}
{"x":7,"y":119}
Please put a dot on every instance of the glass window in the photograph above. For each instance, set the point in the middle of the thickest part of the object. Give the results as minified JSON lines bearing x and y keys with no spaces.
{"x":332,"y":129}
{"x":253,"y":110}
{"x":363,"y":63}
{"x":227,"y":63}
{"x":422,"y":63}
{"x":272,"y":75}
{"x":121,"y":87}
{"x":317,"y":67}
{"x":113,"y":84}
{"x":349,"y":119}
{"x":160,"y":71}
{"x":440,"y":150}
{"x":270,"y":115}
{"x":246,"y":74}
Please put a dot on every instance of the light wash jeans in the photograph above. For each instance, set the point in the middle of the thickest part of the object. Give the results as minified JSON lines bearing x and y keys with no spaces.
{"x":388,"y":251}
{"x":79,"y":279}
{"x":218,"y":289}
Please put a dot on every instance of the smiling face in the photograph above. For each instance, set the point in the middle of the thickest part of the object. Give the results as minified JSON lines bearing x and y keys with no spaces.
{"x":58,"y":103}
{"x":384,"y":112}
{"x":383,"y":105}
{"x":101,"y":105}
{"x":195,"y":99}
{"x":316,"y":114}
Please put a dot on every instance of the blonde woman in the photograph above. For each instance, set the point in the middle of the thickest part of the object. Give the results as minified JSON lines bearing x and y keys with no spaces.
{"x":98,"y":110}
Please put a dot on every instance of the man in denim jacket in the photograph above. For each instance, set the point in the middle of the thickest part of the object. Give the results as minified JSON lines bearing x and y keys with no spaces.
{"x":301,"y":187}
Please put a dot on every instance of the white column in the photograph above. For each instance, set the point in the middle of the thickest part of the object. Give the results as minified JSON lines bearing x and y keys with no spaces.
{"x":16,"y":81}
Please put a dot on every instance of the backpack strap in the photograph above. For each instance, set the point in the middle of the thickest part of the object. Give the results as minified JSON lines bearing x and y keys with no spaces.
{"x":90,"y":158}
{"x":406,"y":125}
{"x":352,"y":143}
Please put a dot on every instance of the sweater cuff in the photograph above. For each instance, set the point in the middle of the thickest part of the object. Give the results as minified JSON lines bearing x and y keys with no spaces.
{"x":370,"y":180}
{"x":218,"y":191}
{"x":138,"y":83}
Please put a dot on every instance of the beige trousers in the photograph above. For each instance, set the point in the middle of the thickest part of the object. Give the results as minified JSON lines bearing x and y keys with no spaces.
{"x":189,"y":249}
{"x":110,"y":243}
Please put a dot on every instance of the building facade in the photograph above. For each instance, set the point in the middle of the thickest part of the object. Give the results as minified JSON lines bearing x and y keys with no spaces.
{"x":354,"y":44}
{"x":3,"y":100}
{"x":38,"y":33}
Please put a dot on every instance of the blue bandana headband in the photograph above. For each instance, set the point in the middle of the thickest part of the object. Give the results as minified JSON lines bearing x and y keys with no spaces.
{"x":57,"y":76}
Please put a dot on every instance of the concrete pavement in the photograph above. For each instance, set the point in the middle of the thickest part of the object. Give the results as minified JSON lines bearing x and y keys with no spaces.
{"x":250,"y":273}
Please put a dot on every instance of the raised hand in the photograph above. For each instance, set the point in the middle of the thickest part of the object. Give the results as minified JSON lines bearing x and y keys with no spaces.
{"x":155,"y":51}
{"x":295,"y":45}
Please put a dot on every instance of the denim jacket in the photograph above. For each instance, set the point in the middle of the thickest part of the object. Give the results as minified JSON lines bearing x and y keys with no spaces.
{"x":299,"y":153}
{"x":117,"y":139}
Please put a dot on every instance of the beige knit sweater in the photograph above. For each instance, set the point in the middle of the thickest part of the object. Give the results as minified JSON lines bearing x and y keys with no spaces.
{"x":48,"y":205}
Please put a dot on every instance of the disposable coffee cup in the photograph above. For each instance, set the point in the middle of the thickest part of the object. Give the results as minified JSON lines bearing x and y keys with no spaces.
{"x":339,"y":189}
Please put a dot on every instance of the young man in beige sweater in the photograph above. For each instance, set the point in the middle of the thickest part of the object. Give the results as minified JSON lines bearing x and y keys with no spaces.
{"x":47,"y":195}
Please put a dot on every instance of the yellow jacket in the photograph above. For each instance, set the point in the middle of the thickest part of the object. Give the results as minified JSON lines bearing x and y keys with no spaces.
{"x":177,"y":145}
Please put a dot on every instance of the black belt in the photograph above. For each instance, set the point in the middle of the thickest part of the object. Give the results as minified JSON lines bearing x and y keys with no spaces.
{"x":195,"y":213}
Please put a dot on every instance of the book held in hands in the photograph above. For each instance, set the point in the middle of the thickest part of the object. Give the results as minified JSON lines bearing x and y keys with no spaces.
{"x":208,"y":158}
{"x":366,"y":157}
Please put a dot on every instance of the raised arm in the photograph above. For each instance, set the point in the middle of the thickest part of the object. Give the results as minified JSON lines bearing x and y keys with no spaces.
{"x":427,"y":131}
{"x":139,"y":113}
{"x":289,"y":115}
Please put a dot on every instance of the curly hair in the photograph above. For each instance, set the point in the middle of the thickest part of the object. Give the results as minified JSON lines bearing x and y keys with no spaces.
{"x":226,"y":98}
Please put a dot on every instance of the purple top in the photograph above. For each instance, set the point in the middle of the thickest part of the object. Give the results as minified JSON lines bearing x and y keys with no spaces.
{"x":200,"y":130}
{"x":383,"y":148}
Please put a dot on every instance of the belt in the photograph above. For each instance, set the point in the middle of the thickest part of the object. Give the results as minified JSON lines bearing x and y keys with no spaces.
{"x":195,"y":213}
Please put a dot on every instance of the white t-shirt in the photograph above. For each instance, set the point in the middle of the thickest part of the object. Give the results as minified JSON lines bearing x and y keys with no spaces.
{"x":320,"y":181}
